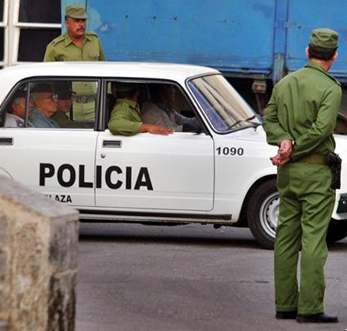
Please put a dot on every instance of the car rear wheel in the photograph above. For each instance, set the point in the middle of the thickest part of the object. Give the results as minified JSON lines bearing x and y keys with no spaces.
{"x":262,"y":213}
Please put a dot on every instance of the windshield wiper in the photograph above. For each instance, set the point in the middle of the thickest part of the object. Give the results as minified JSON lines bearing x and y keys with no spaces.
{"x":249,"y":119}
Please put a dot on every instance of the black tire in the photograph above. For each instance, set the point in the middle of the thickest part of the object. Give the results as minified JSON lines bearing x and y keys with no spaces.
{"x":262,"y":216}
{"x":262,"y":213}
{"x":337,"y":230}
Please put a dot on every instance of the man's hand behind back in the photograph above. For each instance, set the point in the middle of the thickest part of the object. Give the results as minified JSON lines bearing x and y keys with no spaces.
{"x":284,"y":152}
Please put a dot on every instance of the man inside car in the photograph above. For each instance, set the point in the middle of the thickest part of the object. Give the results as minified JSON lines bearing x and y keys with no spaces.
{"x":45,"y":106}
{"x":161,"y":110}
{"x":125,"y":117}
{"x":15,"y":117}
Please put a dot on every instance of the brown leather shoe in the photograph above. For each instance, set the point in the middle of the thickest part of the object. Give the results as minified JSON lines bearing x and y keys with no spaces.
{"x":316,"y":318}
{"x":286,"y":315}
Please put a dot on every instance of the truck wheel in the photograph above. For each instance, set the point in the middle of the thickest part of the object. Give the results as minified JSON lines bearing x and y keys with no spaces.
{"x":262,"y":213}
{"x":337,"y":230}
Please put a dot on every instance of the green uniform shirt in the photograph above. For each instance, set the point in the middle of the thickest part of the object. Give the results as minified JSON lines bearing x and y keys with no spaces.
{"x":125,"y":118}
{"x":63,"y":49}
{"x":63,"y":121}
{"x":303,"y":107}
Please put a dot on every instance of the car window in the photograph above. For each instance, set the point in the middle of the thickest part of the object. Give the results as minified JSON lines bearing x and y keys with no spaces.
{"x":15,"y":113}
{"x":52,"y":104}
{"x":159,"y":103}
{"x":224,"y":107}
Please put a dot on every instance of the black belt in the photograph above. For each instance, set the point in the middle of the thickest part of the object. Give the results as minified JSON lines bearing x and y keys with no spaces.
{"x":84,"y":98}
{"x":314,"y":158}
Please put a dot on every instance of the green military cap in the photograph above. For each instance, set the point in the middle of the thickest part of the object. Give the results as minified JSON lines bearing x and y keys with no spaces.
{"x":324,"y":38}
{"x":75,"y":11}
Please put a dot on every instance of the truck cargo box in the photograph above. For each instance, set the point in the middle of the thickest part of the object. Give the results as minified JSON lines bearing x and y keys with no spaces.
{"x":248,"y":38}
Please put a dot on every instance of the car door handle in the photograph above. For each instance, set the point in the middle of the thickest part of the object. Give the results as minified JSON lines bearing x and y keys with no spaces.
{"x":6,"y":141}
{"x":112,"y":143}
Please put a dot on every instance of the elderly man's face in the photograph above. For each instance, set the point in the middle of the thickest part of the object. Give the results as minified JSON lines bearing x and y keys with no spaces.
{"x":45,"y":103}
{"x":76,"y":27}
{"x":18,"y":107}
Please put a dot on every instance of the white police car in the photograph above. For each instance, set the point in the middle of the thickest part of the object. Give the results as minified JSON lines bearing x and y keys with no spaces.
{"x":219,"y":174}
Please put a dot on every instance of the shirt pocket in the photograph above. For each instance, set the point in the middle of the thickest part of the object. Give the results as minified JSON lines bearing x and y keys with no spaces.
{"x":92,"y":53}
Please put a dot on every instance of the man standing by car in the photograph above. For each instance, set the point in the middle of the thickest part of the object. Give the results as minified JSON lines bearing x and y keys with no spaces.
{"x":76,"y":44}
{"x":300,"y":119}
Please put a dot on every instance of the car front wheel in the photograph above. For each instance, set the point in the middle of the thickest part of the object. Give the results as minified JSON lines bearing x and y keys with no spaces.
{"x":262,"y":216}
{"x":262,"y":213}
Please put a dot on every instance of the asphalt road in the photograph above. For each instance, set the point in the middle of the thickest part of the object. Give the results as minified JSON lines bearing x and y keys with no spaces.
{"x":134,"y":277}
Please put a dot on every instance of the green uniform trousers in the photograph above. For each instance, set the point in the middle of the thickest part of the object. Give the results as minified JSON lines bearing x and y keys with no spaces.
{"x":306,"y":204}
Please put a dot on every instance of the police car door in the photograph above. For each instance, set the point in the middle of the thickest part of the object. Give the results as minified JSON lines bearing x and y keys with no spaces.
{"x":57,"y":160}
{"x":149,"y":171}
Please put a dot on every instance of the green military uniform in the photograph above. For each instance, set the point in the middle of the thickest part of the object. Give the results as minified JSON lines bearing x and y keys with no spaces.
{"x":303,"y":108}
{"x":125,"y":118}
{"x":64,"y":121}
{"x":63,"y":49}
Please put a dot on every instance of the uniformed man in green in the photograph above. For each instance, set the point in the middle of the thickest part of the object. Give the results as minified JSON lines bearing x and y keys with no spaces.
{"x":300,"y":118}
{"x":76,"y":44}
{"x":125,"y":118}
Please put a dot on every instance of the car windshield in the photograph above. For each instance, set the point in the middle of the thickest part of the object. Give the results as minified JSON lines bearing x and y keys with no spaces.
{"x":223,"y":106}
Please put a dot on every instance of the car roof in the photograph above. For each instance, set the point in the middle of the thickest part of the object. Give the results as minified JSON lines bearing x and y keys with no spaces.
{"x":151,"y":70}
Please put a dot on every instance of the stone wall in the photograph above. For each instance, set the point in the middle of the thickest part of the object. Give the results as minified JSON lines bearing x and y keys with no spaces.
{"x":38,"y":261}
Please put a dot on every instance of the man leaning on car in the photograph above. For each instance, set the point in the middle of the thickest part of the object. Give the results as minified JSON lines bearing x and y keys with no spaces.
{"x":125,"y":117}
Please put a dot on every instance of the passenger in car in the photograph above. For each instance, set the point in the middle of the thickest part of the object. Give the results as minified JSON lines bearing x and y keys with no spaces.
{"x":161,"y":110}
{"x":15,"y":117}
{"x":125,"y":117}
{"x":64,"y":104}
{"x":45,"y":106}
{"x":65,"y":97}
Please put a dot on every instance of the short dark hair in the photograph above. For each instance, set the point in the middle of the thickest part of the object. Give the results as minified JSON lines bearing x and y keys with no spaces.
{"x":126,"y":90}
{"x":41,"y":87}
{"x":320,"y":53}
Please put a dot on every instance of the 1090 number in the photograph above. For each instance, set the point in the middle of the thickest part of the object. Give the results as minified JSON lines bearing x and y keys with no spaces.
{"x":232,"y":151}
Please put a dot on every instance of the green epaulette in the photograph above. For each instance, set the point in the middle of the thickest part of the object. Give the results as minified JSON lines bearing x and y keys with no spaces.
{"x":91,"y":34}
{"x":57,"y":40}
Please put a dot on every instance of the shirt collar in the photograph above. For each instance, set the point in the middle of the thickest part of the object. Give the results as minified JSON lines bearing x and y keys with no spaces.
{"x":131,"y":103}
{"x":316,"y":66}
{"x":68,"y":40}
